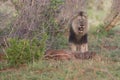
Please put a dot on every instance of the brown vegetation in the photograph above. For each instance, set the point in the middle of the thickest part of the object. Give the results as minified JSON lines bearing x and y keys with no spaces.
{"x":58,"y":55}
{"x":68,"y":55}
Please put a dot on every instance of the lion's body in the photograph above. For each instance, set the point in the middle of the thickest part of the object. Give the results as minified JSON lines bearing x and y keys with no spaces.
{"x":78,"y":33}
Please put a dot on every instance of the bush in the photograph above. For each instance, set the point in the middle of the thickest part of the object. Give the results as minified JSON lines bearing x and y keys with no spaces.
{"x":21,"y":51}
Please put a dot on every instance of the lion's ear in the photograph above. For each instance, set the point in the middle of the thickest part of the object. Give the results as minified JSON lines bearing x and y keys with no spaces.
{"x":81,"y":13}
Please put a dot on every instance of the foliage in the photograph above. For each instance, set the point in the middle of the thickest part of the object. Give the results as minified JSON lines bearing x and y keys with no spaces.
{"x":21,"y":51}
{"x":33,"y":30}
{"x":55,"y":3}
{"x":53,"y":29}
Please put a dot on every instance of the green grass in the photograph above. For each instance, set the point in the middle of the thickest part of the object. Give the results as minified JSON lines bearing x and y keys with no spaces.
{"x":67,"y":70}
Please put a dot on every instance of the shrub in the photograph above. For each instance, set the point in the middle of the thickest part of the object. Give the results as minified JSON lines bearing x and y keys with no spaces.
{"x":21,"y":51}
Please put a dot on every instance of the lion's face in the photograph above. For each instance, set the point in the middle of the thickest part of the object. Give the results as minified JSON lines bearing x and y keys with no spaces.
{"x":79,"y":25}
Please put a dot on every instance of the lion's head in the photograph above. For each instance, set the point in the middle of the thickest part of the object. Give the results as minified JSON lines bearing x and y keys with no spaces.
{"x":79,"y":23}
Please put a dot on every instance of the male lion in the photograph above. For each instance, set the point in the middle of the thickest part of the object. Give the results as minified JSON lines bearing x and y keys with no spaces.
{"x":78,"y":32}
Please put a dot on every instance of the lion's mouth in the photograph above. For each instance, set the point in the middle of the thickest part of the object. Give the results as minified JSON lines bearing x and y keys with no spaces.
{"x":80,"y":29}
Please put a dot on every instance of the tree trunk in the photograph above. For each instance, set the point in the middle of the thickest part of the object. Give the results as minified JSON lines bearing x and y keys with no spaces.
{"x":114,"y":16}
{"x":113,"y":23}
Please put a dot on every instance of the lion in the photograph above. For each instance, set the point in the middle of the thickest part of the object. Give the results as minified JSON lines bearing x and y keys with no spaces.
{"x":78,"y":32}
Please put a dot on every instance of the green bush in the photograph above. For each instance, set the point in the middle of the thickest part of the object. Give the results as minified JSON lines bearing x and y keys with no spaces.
{"x":21,"y":51}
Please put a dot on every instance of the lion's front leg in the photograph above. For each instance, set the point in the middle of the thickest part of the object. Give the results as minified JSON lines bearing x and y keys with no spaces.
{"x":73,"y":47}
{"x":84,"y":47}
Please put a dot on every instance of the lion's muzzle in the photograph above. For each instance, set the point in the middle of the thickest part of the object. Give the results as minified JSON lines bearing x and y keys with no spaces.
{"x":80,"y":29}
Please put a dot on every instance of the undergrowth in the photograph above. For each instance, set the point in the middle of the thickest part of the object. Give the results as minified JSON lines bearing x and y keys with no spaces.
{"x":21,"y":51}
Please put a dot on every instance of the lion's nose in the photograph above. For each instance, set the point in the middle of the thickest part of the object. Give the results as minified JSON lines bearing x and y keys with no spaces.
{"x":81,"y":26}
